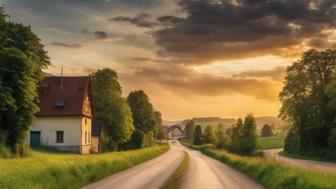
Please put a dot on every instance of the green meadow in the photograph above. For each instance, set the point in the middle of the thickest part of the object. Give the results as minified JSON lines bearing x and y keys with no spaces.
{"x":273,"y":142}
{"x":45,"y":169}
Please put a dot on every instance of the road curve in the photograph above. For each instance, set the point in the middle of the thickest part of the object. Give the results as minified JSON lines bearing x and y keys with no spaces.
{"x":149,"y":175}
{"x":205,"y":172}
{"x":273,"y":154}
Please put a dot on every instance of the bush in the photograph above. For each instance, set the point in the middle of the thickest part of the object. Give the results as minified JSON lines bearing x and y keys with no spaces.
{"x":198,"y":135}
{"x":266,"y":131}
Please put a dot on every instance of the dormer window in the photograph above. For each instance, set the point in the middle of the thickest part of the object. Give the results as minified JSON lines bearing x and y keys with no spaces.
{"x":60,"y":104}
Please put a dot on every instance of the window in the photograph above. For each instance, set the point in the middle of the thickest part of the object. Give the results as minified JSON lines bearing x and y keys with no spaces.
{"x":85,"y":137}
{"x":59,"y":136}
{"x":59,"y":104}
{"x":85,"y":120}
{"x":89,"y":137}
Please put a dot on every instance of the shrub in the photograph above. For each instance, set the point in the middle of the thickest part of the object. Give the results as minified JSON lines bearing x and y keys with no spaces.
{"x":266,"y":131}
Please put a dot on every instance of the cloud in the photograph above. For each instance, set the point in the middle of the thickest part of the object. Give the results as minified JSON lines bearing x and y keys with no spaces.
{"x":139,"y":20}
{"x":185,"y":81}
{"x":170,"y":20}
{"x":225,"y":29}
{"x":72,"y":46}
{"x":100,"y":34}
{"x":276,"y":74}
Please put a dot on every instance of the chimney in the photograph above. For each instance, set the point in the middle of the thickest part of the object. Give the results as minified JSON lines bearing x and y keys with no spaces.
{"x":61,"y":79}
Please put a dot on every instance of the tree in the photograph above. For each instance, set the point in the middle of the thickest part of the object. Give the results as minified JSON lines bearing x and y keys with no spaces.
{"x":112,"y":108}
{"x":22,"y":59}
{"x":249,"y":136}
{"x":222,"y":140}
{"x":236,"y":133}
{"x":160,"y":131}
{"x":144,"y":118}
{"x":209,"y":135}
{"x":189,"y":130}
{"x":18,"y":97}
{"x":307,"y":103}
{"x":266,"y":131}
{"x":198,"y":135}
{"x":244,"y":138}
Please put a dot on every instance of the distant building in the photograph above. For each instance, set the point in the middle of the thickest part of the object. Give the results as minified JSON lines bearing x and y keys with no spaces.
{"x":65,"y":118}
{"x":174,"y":131}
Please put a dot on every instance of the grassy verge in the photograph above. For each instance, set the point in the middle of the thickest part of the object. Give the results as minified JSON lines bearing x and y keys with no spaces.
{"x":274,"y":175}
{"x":43,"y":169}
{"x":265,"y":143}
{"x":175,"y":180}
{"x":298,"y":156}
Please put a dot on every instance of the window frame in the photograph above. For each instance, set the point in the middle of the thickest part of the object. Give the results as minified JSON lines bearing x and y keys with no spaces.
{"x":58,"y":139}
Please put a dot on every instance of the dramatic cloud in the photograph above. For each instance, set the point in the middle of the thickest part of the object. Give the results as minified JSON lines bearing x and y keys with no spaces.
{"x":184,"y":81}
{"x":226,"y":29}
{"x":169,"y":20}
{"x":71,"y":46}
{"x":276,"y":74}
{"x":100,"y":34}
{"x":139,"y":20}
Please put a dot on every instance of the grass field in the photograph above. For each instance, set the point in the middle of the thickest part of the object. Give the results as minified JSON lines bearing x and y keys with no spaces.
{"x":43,"y":169}
{"x":175,"y":180}
{"x":277,"y":141}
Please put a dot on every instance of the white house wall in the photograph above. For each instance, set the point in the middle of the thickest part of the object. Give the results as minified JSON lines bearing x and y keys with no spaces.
{"x":49,"y":125}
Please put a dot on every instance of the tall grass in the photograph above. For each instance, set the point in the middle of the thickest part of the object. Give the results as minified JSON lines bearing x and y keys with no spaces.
{"x":43,"y":169}
{"x":274,"y":175}
{"x":175,"y":180}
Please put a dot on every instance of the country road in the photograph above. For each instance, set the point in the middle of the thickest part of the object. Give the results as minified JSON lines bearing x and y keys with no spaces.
{"x":149,"y":175}
{"x":203,"y":172}
{"x":273,"y":154}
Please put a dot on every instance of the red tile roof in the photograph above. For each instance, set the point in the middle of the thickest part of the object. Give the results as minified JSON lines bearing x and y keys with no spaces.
{"x":71,"y":94}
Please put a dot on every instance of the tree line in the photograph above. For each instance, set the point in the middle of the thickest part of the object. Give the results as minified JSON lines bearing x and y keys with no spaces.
{"x":241,"y":138}
{"x":308,"y":104}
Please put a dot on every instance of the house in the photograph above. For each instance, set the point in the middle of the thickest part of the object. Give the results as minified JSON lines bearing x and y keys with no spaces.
{"x":65,"y":118}
{"x":174,"y":131}
{"x":97,"y":130}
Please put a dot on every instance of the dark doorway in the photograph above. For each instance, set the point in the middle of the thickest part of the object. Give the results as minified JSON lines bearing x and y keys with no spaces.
{"x":35,"y":138}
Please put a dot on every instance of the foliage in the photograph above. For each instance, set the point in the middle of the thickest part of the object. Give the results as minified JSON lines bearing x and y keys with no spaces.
{"x":189,"y":130}
{"x":144,"y":116}
{"x":243,"y":137}
{"x":209,"y":136}
{"x":266,"y":131}
{"x":148,"y":140}
{"x":112,"y":108}
{"x":175,"y":180}
{"x":18,"y":97}
{"x":47,"y":169}
{"x":308,"y":104}
{"x":222,"y":140}
{"x":160,"y":131}
{"x":198,"y":135}
{"x":22,"y":59}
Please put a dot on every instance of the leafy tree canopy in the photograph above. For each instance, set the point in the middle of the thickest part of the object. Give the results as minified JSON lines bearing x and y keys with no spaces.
{"x":112,"y":108}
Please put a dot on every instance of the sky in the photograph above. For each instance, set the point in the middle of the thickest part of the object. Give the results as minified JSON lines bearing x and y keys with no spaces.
{"x":194,"y":58}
